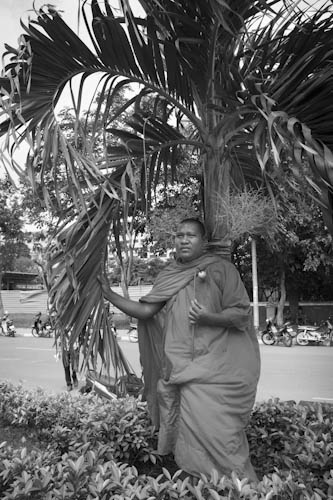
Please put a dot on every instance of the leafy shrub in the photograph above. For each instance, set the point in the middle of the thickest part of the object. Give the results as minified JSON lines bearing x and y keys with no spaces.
{"x":89,"y":448}
{"x":293,"y":437}
{"x":62,"y":421}
{"x":37,"y":409}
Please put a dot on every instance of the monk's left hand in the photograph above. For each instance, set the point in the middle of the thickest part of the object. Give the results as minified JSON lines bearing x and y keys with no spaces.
{"x":197,"y":313}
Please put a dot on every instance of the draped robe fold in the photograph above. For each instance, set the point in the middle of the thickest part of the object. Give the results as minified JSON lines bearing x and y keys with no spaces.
{"x":200,"y":381}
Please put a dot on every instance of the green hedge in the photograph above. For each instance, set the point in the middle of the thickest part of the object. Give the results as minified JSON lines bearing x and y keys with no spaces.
{"x":84,"y":447}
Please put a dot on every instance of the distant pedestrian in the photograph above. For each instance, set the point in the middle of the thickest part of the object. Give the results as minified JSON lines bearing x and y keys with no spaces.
{"x":70,"y":360}
{"x":37,"y":322}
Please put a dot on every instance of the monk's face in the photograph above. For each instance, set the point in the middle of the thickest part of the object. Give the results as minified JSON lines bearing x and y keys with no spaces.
{"x":189,"y":242}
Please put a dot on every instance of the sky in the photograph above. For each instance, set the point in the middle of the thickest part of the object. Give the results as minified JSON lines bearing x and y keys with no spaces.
{"x":11,"y":11}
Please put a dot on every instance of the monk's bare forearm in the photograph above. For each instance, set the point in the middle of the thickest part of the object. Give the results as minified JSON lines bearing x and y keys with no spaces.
{"x":139,"y":310}
{"x":233,"y":317}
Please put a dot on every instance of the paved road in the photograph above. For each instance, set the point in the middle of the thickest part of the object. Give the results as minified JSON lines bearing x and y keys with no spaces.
{"x":297,"y":373}
{"x":33,"y":362}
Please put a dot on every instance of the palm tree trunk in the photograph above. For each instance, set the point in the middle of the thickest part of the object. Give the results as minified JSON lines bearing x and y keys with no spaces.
{"x":216,"y":193}
{"x":2,"y":310}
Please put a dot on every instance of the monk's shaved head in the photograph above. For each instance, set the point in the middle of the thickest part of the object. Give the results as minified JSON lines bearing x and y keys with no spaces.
{"x":196,"y":222}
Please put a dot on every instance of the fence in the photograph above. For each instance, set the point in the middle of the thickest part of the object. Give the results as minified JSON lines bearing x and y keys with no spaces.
{"x":26,"y":303}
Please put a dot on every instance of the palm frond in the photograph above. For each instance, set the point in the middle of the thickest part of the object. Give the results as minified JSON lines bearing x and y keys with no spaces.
{"x":76,"y":259}
{"x":294,"y":96}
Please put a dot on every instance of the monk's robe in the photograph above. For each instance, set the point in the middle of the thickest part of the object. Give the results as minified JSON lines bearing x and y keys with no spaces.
{"x":201,"y":381}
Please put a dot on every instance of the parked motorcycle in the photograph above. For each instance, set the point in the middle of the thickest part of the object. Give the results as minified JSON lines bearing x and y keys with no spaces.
{"x":319,"y":335}
{"x":7,"y":327}
{"x":133,"y":332}
{"x":275,"y":335}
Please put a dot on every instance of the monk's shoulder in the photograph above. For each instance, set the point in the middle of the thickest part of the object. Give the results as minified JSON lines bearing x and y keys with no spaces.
{"x":222,"y":265}
{"x":221,"y":270}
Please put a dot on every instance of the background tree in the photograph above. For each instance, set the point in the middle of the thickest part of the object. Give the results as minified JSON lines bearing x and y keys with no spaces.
{"x":296,"y":262}
{"x":304,"y":245}
{"x":144,"y":271}
{"x":12,"y":245}
{"x":14,"y":253}
{"x":253,"y":78}
{"x":304,"y":256}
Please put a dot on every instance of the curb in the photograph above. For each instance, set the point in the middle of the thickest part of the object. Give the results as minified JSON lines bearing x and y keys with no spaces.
{"x":122,"y":335}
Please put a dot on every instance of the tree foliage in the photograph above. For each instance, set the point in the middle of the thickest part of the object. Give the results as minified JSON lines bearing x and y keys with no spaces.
{"x":12,"y":245}
{"x":144,"y":271}
{"x":301,"y":251}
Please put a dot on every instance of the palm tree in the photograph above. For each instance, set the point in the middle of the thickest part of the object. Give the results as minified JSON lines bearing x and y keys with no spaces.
{"x":251,"y":79}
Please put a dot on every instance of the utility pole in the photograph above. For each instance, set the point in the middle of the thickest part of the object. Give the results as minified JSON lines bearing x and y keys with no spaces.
{"x":255,"y":284}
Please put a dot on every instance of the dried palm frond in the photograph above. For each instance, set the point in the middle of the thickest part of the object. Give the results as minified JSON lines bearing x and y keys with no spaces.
{"x":250,"y":213}
{"x":76,"y":259}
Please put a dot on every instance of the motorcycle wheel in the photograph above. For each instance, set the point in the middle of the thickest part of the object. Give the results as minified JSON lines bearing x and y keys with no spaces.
{"x":34,"y":332}
{"x":301,"y":339}
{"x":267,"y":338}
{"x":325,"y":340}
{"x":287,"y":339}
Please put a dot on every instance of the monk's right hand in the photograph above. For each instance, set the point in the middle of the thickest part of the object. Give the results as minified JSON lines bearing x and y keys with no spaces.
{"x":104,"y":284}
{"x":197,"y":313}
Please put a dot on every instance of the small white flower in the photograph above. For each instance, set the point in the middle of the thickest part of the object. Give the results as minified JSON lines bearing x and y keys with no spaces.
{"x":202,"y":275}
